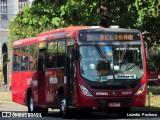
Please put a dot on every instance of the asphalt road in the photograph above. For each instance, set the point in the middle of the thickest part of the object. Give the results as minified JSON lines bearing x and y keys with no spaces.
{"x":15,"y":109}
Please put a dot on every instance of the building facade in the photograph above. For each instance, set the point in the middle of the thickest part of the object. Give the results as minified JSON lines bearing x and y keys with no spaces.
{"x":8,"y":10}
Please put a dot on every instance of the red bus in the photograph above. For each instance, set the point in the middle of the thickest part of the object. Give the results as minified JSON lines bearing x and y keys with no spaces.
{"x":80,"y":68}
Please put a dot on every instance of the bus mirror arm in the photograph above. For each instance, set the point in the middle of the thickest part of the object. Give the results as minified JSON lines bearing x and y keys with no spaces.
{"x":146,"y":50}
{"x":75,"y":54}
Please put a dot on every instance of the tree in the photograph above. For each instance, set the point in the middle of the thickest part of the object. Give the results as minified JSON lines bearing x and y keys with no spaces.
{"x":27,"y":24}
{"x":148,"y":19}
{"x":45,"y":15}
{"x":1,"y":66}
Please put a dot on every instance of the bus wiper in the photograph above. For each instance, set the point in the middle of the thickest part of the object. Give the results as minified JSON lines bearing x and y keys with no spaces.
{"x":121,"y":57}
{"x":101,"y":54}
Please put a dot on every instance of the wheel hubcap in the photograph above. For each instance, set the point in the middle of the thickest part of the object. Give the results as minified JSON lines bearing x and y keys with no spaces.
{"x":63,"y":105}
{"x":31,"y":104}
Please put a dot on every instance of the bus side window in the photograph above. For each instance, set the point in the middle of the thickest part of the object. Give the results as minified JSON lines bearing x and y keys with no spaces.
{"x":52,"y":55}
{"x":61,"y":54}
{"x":16,"y":59}
{"x":33,"y":57}
{"x":24,"y":58}
{"x":16,"y":63}
{"x":25,"y":61}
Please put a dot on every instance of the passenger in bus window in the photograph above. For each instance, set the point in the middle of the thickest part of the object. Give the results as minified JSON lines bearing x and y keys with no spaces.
{"x":16,"y":64}
{"x":32,"y":63}
{"x":24,"y":63}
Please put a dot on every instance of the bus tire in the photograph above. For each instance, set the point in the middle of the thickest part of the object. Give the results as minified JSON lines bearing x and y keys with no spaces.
{"x":31,"y":107}
{"x":64,"y":110}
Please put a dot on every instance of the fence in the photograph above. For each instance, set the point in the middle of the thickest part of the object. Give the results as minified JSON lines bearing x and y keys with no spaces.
{"x":153,"y":96}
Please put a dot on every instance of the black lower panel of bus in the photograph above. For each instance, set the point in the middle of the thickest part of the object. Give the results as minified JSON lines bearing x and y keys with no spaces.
{"x":112,"y":86}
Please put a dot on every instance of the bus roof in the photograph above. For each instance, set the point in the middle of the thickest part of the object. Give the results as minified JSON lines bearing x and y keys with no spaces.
{"x":70,"y":28}
{"x":67,"y":32}
{"x":62,"y":32}
{"x":121,"y":30}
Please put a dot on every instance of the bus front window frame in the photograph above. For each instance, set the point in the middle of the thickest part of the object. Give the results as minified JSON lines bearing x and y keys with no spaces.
{"x":116,"y":72}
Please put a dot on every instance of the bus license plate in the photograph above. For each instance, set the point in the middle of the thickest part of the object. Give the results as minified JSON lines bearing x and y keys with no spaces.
{"x":114,"y":105}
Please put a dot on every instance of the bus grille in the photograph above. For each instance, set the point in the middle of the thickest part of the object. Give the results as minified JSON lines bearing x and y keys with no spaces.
{"x":113,"y":87}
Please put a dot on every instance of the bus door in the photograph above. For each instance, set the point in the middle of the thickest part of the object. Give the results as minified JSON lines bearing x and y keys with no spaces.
{"x":70,"y":74}
{"x":51,"y":74}
{"x":41,"y":76}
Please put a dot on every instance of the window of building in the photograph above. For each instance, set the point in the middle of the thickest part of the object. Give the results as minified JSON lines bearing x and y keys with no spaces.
{"x":22,"y":3}
{"x":3,"y":9}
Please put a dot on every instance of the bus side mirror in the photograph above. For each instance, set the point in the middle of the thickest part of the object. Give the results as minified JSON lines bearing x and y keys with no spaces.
{"x":146,"y":50}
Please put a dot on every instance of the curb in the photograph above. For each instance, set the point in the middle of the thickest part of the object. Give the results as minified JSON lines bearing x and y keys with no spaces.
{"x":5,"y":102}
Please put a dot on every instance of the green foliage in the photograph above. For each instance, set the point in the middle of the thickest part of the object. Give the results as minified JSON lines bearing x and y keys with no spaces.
{"x":79,"y":12}
{"x":154,"y":62}
{"x":1,"y":67}
{"x":148,"y":19}
{"x":150,"y":94}
{"x":27,"y":25}
{"x":45,"y":15}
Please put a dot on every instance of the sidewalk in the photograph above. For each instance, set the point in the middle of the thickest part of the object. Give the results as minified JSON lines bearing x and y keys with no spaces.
{"x":6,"y":102}
{"x":11,"y":106}
{"x":5,"y":97}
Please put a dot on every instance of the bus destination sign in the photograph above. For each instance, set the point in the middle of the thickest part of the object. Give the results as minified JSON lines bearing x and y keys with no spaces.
{"x":109,"y":36}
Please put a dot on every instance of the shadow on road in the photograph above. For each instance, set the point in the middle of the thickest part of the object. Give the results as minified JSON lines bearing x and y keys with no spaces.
{"x":136,"y":113}
{"x":95,"y":115}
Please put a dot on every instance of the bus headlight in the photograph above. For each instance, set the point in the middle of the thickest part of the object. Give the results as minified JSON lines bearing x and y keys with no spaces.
{"x":140,"y":90}
{"x":85,"y":91}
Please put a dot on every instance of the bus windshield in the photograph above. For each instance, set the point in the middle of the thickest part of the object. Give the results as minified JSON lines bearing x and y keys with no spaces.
{"x":111,"y":63}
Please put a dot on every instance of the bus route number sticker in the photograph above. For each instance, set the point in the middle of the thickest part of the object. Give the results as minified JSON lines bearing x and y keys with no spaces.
{"x":52,"y":80}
